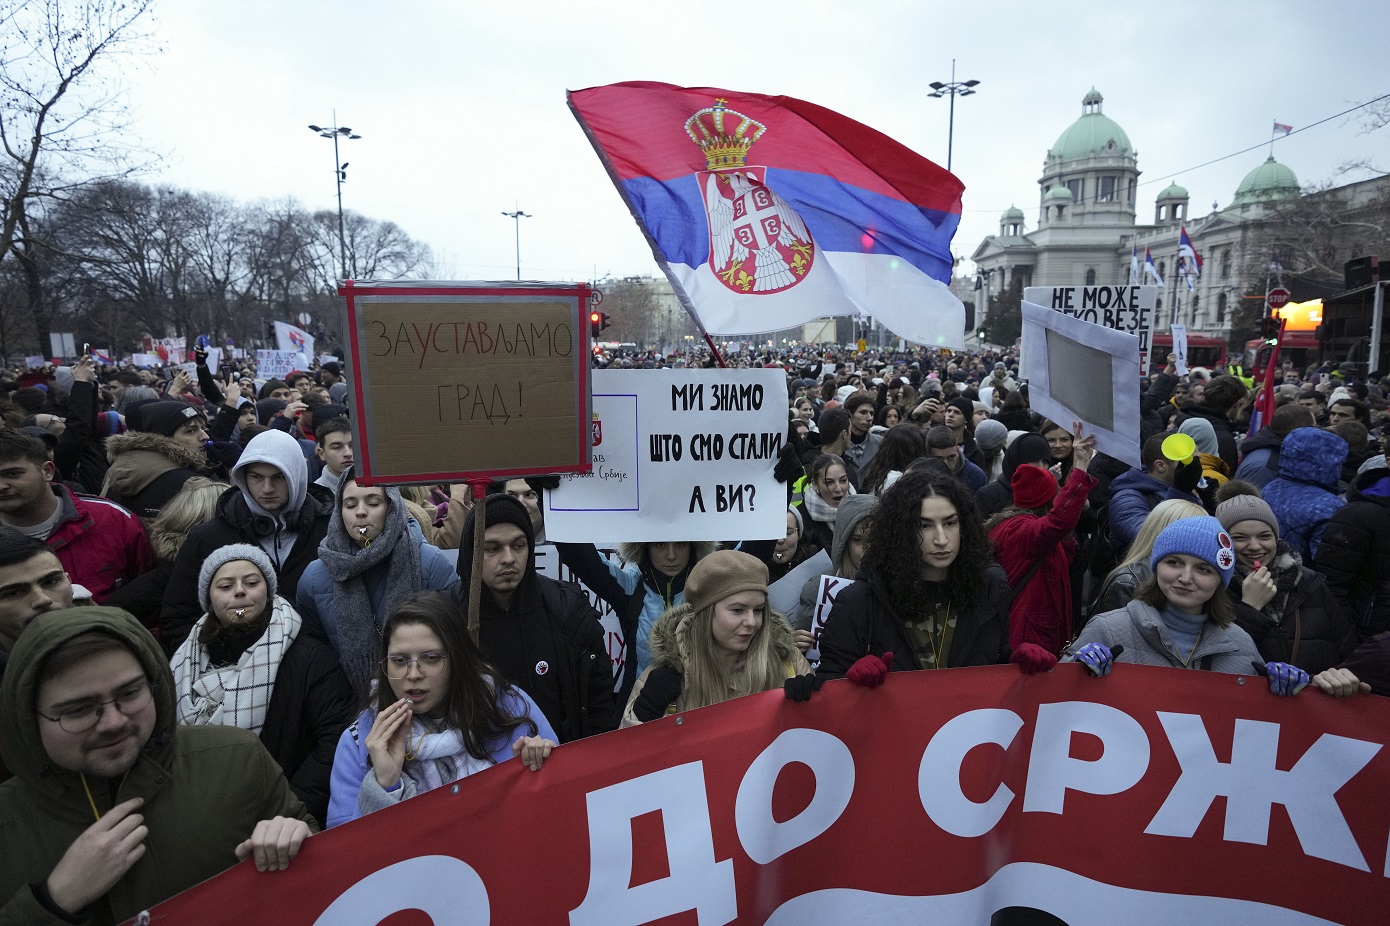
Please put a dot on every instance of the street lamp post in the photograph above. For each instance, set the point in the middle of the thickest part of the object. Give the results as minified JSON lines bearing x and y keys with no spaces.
{"x":954,"y":89}
{"x":339,"y":175}
{"x":516,"y":217}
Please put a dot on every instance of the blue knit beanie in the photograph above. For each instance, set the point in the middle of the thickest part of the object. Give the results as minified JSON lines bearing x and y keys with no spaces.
{"x":1203,"y":538}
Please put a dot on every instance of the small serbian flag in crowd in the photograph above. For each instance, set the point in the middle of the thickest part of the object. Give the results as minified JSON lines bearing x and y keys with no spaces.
{"x":766,"y":211}
{"x":101,"y":356}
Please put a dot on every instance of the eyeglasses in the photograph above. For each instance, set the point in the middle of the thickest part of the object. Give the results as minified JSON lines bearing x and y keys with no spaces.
{"x":399,"y":666}
{"x":81,"y":717}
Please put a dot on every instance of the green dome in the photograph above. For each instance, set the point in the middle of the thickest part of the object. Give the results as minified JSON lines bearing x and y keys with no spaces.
{"x":1270,"y":181}
{"x":1058,"y":193}
{"x":1012,"y":214}
{"x":1091,"y":135}
{"x":1173,"y":192}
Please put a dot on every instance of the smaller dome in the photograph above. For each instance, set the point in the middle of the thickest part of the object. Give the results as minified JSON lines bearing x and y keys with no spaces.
{"x":1058,"y":193}
{"x":1173,"y":192}
{"x":1270,"y":181}
{"x":1092,"y":97}
{"x":1013,"y":213}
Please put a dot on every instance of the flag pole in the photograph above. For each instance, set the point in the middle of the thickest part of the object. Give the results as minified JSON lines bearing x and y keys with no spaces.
{"x":712,"y":349}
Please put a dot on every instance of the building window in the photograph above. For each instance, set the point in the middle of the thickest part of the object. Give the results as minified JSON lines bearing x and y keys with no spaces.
{"x":1162,"y":213}
{"x":1077,"y":188}
{"x":1196,"y":311}
{"x":1131,"y":191}
{"x":1061,"y":211}
{"x":1221,"y":309}
{"x":1226,"y":264}
{"x":1163,"y":268}
{"x":1090,"y":277}
{"x":1107,"y":190}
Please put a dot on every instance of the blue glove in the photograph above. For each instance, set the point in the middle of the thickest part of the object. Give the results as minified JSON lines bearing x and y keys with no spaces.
{"x":1285,"y":680}
{"x":1097,"y":658}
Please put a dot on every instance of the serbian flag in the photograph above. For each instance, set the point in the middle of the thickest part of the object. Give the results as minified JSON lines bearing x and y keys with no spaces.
{"x":1263,"y":411}
{"x":101,"y":356}
{"x":1134,"y":263}
{"x":767,"y":211}
{"x":1151,"y":268}
{"x":294,"y":340}
{"x":1281,"y":129}
{"x":1192,"y":261}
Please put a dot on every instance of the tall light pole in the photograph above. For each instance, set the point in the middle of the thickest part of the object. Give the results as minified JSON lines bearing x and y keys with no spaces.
{"x":339,"y":175}
{"x":516,"y":217}
{"x":954,"y":89}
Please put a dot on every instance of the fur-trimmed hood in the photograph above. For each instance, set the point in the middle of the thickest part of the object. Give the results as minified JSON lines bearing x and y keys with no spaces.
{"x":139,"y":458}
{"x":670,"y":637}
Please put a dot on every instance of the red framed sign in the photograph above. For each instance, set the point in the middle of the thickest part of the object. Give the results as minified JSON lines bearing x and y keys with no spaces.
{"x":458,"y":381}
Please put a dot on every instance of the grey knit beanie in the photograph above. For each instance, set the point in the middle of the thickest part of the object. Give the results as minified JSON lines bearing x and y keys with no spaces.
{"x":230,"y":554}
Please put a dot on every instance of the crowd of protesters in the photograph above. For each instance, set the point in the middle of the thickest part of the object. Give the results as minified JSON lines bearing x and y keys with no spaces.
{"x":209,"y":629}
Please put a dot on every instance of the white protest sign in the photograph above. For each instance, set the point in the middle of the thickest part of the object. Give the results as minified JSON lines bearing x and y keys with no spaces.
{"x":1179,"y":333}
{"x":214,"y":358}
{"x":679,"y":455}
{"x":275,"y":364}
{"x":35,"y":362}
{"x":784,"y":595}
{"x":830,"y":587}
{"x":1124,"y":308}
{"x":327,"y":358}
{"x":1077,"y":370}
{"x":144,"y":360}
{"x":238,"y":353}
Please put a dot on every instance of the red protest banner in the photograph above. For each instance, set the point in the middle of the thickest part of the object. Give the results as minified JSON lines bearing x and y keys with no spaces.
{"x":1148,"y":796}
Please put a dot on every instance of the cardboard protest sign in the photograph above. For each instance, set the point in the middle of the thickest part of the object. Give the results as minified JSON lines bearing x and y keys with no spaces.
{"x":1079,"y":370}
{"x":144,"y":360}
{"x":679,"y":455}
{"x":1124,"y":308}
{"x":275,"y":364}
{"x":459,"y":380}
{"x":1179,"y":333}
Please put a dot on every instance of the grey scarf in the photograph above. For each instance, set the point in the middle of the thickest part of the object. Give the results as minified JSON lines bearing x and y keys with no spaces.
{"x":347,"y":562}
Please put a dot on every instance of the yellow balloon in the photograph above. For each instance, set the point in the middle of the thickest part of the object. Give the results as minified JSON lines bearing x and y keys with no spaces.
{"x":1179,"y":448}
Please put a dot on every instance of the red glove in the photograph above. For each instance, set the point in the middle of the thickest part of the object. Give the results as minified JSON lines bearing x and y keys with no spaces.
{"x":870,"y":671}
{"x":1032,"y":658}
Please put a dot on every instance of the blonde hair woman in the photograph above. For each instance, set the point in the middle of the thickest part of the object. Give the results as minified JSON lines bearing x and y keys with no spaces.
{"x":722,"y":643}
{"x":195,"y":503}
{"x":1120,"y":584}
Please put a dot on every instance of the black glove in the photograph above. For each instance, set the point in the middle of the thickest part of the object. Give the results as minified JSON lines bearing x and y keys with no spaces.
{"x":800,"y":687}
{"x":663,"y":686}
{"x":788,"y":468}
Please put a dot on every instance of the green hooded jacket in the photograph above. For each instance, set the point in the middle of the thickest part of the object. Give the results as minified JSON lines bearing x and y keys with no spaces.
{"x":205,"y":788}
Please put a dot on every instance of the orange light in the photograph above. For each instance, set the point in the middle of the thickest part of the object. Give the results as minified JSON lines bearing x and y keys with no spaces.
{"x":1301,"y":316}
{"x":593,"y":317}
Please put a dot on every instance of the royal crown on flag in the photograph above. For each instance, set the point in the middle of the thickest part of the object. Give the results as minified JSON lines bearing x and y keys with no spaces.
{"x":723,"y":149}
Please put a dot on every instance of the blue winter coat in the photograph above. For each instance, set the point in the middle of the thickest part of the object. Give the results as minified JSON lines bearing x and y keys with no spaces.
{"x":316,"y":597}
{"x":1132,"y":496}
{"x":1304,"y":497}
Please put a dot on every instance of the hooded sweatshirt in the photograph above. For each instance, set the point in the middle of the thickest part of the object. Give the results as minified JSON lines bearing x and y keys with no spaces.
{"x":281,"y":451}
{"x":204,"y":788}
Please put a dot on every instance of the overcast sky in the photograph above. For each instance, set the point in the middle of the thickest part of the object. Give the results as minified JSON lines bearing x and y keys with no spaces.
{"x":461,"y":105}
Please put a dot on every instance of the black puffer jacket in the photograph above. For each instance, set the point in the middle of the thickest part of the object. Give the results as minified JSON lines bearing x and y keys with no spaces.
{"x":1225,"y":431}
{"x":862,"y":621}
{"x":1355,"y":555}
{"x":1311,"y":630}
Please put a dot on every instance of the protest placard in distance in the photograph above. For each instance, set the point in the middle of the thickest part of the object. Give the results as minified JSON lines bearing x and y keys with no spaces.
{"x":1127,"y":308}
{"x":679,"y":455}
{"x":276,"y":364}
{"x":453,"y":381}
{"x":1077,"y":370}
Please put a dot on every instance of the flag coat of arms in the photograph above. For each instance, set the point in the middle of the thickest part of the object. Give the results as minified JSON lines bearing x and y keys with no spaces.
{"x":766,"y":212}
{"x":294,"y":340}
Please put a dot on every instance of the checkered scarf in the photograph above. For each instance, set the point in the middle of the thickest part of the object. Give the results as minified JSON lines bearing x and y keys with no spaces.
{"x":236,"y":695}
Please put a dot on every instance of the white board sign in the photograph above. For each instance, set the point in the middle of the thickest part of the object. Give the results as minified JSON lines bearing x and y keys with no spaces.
{"x":1077,"y":370}
{"x":275,"y":364}
{"x":1179,"y":333}
{"x":830,"y":588}
{"x":35,"y":362}
{"x":1128,"y":308}
{"x":784,"y":595}
{"x":679,"y":455}
{"x":144,"y":360}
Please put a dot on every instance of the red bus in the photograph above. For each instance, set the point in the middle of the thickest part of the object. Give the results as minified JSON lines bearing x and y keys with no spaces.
{"x":1202,"y":351}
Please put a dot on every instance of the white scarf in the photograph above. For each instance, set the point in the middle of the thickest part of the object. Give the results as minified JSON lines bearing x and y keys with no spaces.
{"x":438,"y":758}
{"x":819,"y":509}
{"x":233,"y":696}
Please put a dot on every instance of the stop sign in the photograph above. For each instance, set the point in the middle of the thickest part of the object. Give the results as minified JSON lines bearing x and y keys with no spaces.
{"x":1277,"y":297}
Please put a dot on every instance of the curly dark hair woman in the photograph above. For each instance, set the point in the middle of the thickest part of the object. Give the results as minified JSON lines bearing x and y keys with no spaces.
{"x":900,"y":446}
{"x":896,"y":544}
{"x":929,"y":592}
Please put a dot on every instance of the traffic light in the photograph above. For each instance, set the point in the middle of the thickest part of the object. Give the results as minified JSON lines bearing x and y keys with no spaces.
{"x":596,"y":322}
{"x":603,"y":321}
{"x":981,"y":335}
